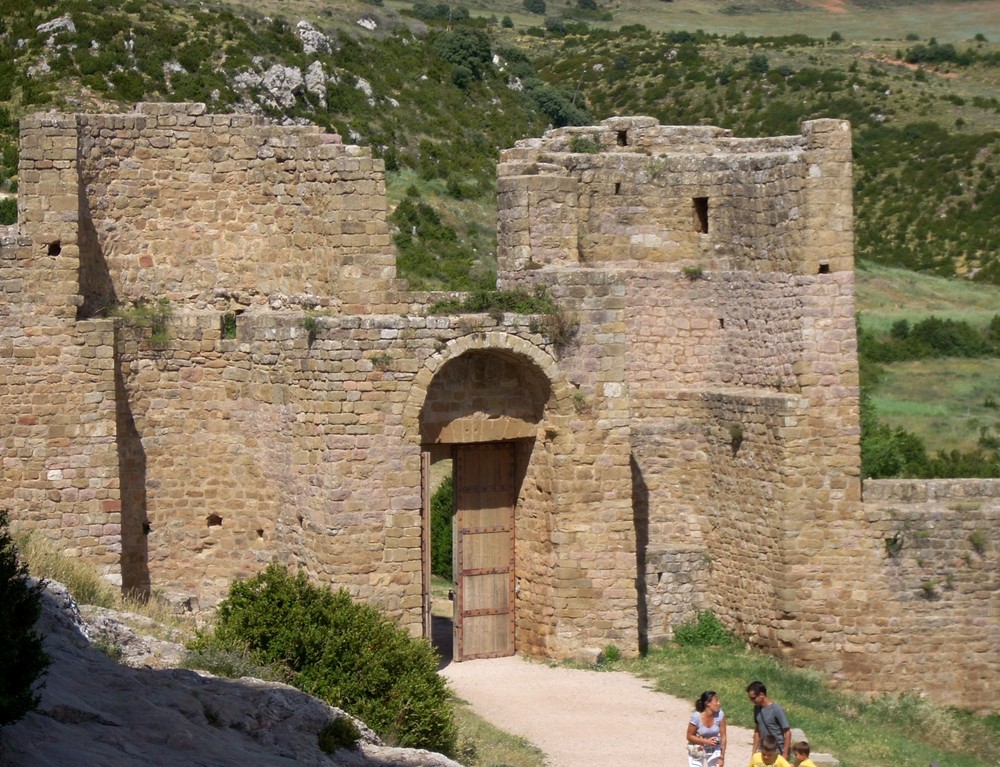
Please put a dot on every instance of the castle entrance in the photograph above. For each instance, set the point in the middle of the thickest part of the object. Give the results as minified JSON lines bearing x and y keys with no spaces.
{"x":483,"y":531}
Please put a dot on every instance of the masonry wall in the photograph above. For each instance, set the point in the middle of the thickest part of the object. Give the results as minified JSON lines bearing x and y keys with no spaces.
{"x":623,"y":193}
{"x":734,"y":293}
{"x":57,"y":410}
{"x":686,"y":426}
{"x":938,"y":551}
{"x":176,"y":203}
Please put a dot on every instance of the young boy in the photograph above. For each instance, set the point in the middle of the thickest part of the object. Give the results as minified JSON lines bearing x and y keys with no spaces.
{"x":800,"y":751}
{"x":768,"y":755}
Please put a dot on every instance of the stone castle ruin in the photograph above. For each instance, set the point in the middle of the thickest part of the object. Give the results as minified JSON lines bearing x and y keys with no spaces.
{"x":681,"y":435}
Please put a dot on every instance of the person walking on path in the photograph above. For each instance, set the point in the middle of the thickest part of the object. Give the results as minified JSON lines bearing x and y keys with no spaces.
{"x":584,"y":718}
{"x":706,"y":732}
{"x":769,"y":719}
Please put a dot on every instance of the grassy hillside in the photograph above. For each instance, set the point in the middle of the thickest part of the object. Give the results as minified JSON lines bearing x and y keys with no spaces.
{"x":946,"y":402}
{"x":437,"y":89}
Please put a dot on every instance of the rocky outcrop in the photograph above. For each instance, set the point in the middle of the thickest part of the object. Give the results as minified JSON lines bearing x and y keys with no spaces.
{"x":95,"y":711}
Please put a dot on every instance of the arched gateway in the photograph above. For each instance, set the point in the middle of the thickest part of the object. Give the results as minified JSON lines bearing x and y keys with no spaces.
{"x":485,"y":407}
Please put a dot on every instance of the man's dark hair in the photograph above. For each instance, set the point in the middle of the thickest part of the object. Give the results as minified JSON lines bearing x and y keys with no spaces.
{"x":757,"y":688}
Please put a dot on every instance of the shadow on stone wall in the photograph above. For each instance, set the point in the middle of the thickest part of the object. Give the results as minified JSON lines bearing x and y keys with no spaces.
{"x":640,"y":519}
{"x":96,"y":287}
{"x":132,"y":473}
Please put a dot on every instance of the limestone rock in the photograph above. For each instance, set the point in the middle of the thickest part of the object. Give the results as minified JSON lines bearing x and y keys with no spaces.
{"x":96,"y":711}
{"x":62,"y":24}
{"x":284,"y":84}
{"x":313,"y":41}
{"x":315,"y":81}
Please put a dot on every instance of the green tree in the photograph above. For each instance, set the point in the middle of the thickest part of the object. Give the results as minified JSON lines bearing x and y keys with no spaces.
{"x":22,"y":659}
{"x":535,"y":6}
{"x":8,"y":211}
{"x":442,"y":511}
{"x":466,"y":47}
{"x":758,"y":64}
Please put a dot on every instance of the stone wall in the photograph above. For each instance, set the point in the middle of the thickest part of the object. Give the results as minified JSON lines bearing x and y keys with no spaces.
{"x":941,"y":562}
{"x":57,"y":408}
{"x":685,"y":426}
{"x":631,"y":192}
{"x":176,"y":203}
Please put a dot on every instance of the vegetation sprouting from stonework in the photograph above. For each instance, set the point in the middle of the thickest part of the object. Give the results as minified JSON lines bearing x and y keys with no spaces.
{"x":339,"y":650}
{"x":498,"y":301}
{"x":151,"y":316}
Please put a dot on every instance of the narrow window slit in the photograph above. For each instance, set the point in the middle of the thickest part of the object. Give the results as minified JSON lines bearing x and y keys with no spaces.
{"x":700,"y":214}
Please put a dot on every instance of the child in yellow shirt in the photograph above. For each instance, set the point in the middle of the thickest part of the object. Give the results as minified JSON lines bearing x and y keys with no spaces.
{"x":768,"y":755}
{"x":800,"y":752}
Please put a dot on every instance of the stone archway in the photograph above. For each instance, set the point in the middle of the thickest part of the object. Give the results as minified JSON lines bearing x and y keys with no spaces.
{"x":488,"y":400}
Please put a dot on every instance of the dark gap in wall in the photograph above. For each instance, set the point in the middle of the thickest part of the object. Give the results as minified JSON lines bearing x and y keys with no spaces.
{"x":700,"y":214}
{"x":623,"y":138}
{"x":640,"y":521}
{"x":824,"y":268}
{"x":55,"y":248}
{"x":618,"y":187}
{"x":214,"y":520}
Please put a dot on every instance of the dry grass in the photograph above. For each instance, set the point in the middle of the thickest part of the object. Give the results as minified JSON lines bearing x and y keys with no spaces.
{"x":947,"y":21}
{"x":885,"y":294}
{"x":89,"y":588}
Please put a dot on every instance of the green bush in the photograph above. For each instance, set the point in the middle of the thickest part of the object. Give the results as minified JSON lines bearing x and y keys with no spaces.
{"x":340,"y":733}
{"x":8,"y":211}
{"x":341,"y":651}
{"x":22,"y":659}
{"x":704,"y":631}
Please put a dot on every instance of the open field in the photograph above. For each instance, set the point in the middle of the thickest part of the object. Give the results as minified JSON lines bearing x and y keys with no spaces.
{"x":886,"y":294}
{"x":860,"y":20}
{"x":942,"y":401}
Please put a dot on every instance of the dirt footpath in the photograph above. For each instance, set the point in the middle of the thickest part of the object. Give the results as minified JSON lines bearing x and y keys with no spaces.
{"x":581,"y":718}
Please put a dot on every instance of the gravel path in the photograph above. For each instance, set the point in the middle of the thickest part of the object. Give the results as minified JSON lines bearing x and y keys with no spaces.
{"x":582,"y":718}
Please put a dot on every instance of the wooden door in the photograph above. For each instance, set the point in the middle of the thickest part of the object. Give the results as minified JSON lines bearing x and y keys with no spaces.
{"x":485,"y":492}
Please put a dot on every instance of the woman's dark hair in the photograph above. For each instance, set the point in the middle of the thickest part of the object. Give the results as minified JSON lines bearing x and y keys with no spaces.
{"x":699,"y":705}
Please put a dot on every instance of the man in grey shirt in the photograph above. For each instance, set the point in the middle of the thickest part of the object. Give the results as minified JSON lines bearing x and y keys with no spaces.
{"x":769,"y":719}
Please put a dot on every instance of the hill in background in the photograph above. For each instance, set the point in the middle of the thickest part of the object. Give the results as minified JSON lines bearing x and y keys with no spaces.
{"x":438,"y":89}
